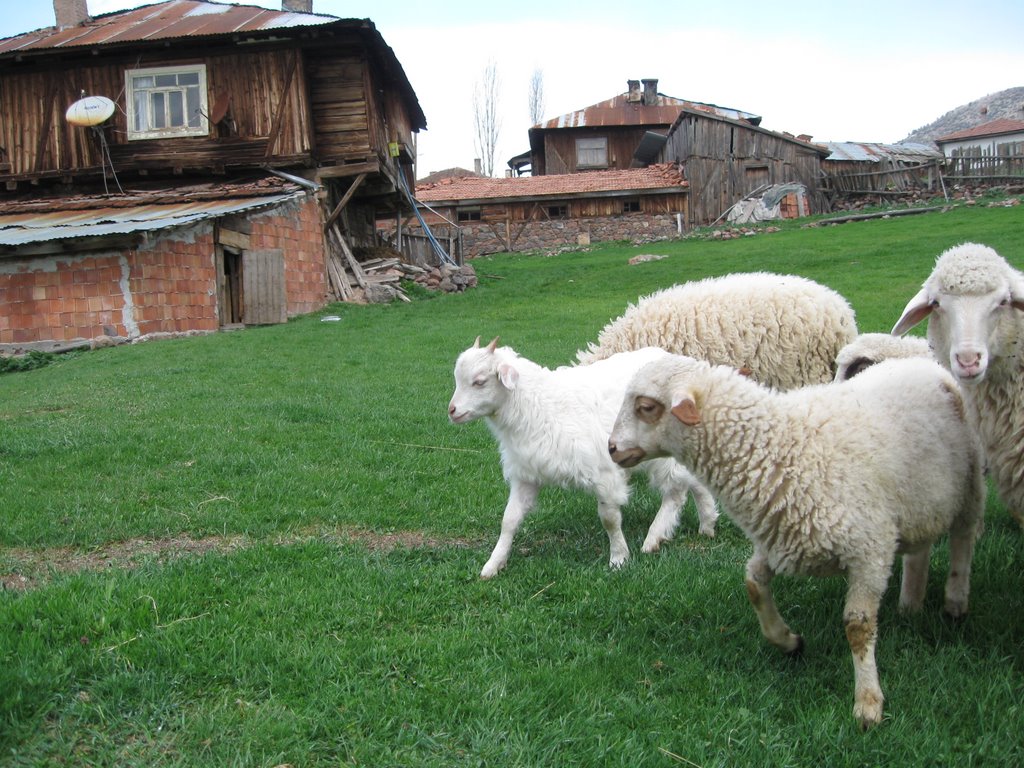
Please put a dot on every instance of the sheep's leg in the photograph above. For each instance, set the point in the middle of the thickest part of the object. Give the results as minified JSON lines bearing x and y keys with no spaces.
{"x":915,"y":579}
{"x":759,"y":590}
{"x":611,"y":518}
{"x":860,"y":618}
{"x":521,"y":498}
{"x":958,"y":583}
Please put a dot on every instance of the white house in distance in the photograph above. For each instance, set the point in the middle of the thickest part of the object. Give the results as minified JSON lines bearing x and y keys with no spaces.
{"x":997,"y":138}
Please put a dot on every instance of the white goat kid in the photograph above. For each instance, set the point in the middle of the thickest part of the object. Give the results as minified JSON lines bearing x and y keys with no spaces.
{"x":552,"y":428}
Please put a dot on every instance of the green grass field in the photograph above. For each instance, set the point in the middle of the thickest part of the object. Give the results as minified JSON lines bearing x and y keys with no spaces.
{"x":261,"y":548}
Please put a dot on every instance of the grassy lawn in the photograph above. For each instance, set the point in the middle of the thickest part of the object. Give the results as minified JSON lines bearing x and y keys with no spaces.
{"x":261,"y":548}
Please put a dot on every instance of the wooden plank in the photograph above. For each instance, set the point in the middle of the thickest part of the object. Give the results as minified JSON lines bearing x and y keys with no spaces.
{"x":233,"y":239}
{"x":357,"y":271}
{"x":339,"y":280}
{"x":275,"y":129}
{"x":344,"y":200}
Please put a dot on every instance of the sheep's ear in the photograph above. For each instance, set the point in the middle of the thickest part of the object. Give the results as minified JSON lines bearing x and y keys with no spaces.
{"x":686,"y":411}
{"x":508,"y":376}
{"x":476,"y":344}
{"x":917,"y":309}
{"x":493,"y":345}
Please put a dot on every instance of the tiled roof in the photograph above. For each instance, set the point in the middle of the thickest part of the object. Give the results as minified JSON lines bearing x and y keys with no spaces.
{"x":991,"y":128}
{"x":665,"y":176}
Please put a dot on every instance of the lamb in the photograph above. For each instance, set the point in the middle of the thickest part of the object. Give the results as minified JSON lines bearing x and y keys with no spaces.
{"x":973,"y":301}
{"x":552,"y":429}
{"x":825,"y":479}
{"x":870,"y":348}
{"x":785,"y":330}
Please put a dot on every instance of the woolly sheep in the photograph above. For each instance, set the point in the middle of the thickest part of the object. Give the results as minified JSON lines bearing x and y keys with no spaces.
{"x":784,"y":329}
{"x":870,"y":348}
{"x":973,"y":300}
{"x":552,"y":429}
{"x":825,"y":479}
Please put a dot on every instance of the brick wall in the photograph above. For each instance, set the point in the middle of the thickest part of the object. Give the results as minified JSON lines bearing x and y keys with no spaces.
{"x":166,"y":286}
{"x":296,"y":228}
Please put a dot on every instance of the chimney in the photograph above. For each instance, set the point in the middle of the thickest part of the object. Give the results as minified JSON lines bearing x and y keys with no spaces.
{"x":650,"y":91}
{"x":297,"y":6}
{"x":70,"y":13}
{"x":633,"y":96}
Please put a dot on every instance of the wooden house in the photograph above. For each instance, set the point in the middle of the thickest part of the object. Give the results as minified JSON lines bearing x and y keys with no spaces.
{"x":988,"y":153}
{"x":236,"y":158}
{"x":626,"y":131}
{"x":488,"y":215}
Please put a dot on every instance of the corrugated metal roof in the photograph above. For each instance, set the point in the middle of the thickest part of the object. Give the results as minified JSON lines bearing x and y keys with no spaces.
{"x":45,"y":220}
{"x":654,"y":177}
{"x":161,"y":21}
{"x":874,"y":153}
{"x":620,"y":111}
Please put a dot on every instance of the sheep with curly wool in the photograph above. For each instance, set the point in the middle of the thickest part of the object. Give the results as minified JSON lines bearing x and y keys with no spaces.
{"x":870,"y":348}
{"x":784,"y":329}
{"x":552,"y":429}
{"x":824,"y":479}
{"x":973,"y":300}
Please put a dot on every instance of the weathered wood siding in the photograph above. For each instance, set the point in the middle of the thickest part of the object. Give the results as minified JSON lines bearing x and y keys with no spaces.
{"x":560,"y":147}
{"x":337,"y":88}
{"x":724,"y":161}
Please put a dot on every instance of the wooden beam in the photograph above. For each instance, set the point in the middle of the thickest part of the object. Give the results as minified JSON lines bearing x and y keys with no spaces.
{"x":344,"y":200}
{"x":349,"y":169}
{"x":357,"y":271}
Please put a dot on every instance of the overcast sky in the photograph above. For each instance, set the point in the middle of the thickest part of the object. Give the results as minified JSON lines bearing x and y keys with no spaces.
{"x":839,"y":71}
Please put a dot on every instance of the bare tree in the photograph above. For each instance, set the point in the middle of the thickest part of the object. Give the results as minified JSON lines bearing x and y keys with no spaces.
{"x":537,"y":96}
{"x":485,"y":117}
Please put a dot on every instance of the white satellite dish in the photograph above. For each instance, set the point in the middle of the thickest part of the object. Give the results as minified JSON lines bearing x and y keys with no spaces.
{"x":92,"y":110}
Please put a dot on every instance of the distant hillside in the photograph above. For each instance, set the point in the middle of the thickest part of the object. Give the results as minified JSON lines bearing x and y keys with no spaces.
{"x":1004,"y":104}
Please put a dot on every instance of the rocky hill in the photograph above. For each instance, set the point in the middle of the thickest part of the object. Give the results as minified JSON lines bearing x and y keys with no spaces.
{"x":1003,"y":104}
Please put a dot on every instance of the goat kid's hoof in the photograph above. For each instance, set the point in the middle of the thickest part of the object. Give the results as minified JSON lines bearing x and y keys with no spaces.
{"x":798,"y":650}
{"x":868,"y":713}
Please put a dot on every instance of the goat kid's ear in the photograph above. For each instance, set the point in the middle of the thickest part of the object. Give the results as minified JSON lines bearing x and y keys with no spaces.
{"x":917,"y":309}
{"x":493,"y":345}
{"x":685,"y":409}
{"x":476,"y":344}
{"x":508,"y":375}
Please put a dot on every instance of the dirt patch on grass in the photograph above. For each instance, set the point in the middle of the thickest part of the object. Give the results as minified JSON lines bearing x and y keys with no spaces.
{"x":23,"y":569}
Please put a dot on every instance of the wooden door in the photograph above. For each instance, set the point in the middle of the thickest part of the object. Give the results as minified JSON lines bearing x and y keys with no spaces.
{"x":263,"y":289}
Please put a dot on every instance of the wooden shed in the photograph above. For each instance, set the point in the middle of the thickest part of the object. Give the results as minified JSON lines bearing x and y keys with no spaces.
{"x":726,"y":160}
{"x":203,"y":92}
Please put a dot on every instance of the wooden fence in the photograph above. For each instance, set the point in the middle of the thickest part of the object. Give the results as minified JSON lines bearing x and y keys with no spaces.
{"x":990,"y":168}
{"x":934,"y":176}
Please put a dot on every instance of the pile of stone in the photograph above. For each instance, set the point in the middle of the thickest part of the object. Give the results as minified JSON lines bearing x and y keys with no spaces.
{"x":448,"y":278}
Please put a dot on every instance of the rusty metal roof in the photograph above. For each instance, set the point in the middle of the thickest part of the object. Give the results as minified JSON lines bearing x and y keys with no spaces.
{"x":42,"y":220}
{"x":162,"y":21}
{"x":159,"y":23}
{"x":620,"y":111}
{"x":654,"y":178}
{"x":852,"y":151}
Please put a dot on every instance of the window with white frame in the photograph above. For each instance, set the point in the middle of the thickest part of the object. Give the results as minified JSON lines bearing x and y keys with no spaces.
{"x":592,"y":153}
{"x":167,"y":101}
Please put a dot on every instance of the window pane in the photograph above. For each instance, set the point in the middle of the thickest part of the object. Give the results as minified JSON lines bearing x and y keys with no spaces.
{"x":176,"y":108}
{"x":192,"y":107}
{"x":159,"y":111}
{"x":162,"y":81}
{"x":140,"y":115}
{"x":188,"y":78}
{"x":145,"y":81}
